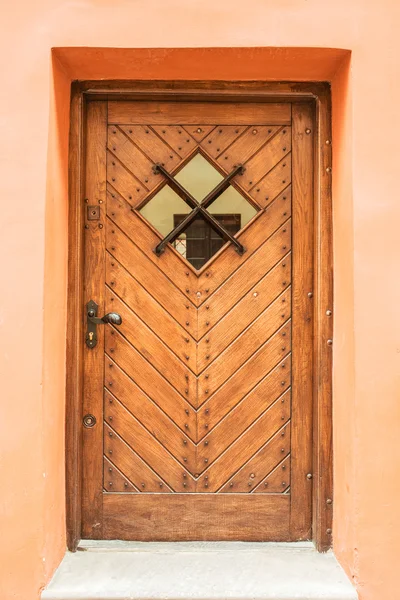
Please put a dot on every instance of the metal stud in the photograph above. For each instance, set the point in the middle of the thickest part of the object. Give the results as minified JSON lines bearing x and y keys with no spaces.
{"x":328,"y":313}
{"x":308,"y":131}
{"x":329,"y":501}
{"x":329,"y":342}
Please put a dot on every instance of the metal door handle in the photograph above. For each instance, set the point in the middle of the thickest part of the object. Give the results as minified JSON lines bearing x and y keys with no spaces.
{"x":93,"y":320}
{"x":113,"y":318}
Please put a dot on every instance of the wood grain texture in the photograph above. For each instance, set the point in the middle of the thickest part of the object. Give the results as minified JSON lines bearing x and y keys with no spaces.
{"x":277,"y":481}
{"x":160,"y":345}
{"x":95,"y":192}
{"x":302,"y":322}
{"x":144,"y":445}
{"x":149,"y":311}
{"x":252,"y":237}
{"x":146,"y":238}
{"x":75,"y":330}
{"x":153,"y":383}
{"x":150,"y":277}
{"x":185,"y":517}
{"x":150,"y":415}
{"x":128,"y":462}
{"x":205,"y":113}
{"x":323,"y":329}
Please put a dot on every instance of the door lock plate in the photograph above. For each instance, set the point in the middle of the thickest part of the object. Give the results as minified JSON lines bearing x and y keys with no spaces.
{"x":91,"y":332}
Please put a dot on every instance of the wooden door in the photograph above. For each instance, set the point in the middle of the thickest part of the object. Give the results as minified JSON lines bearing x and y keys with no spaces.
{"x":197,"y":409}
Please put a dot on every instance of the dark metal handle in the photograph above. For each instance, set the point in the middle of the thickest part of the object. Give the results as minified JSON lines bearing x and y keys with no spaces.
{"x":93,"y":320}
{"x":113,"y":318}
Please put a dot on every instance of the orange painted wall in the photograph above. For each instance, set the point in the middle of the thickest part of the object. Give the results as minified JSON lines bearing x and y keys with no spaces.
{"x":33,"y":173}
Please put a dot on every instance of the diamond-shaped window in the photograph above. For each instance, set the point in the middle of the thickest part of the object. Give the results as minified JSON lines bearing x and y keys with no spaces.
{"x":199,"y":241}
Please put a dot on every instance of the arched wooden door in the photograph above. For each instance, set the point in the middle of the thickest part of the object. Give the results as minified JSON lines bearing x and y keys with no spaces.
{"x":197,"y":410}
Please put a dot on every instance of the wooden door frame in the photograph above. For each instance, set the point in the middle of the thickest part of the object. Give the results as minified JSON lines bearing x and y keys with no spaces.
{"x":318,"y":95}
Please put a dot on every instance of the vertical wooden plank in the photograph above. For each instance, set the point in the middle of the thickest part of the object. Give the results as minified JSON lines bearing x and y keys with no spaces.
{"x":94,"y":277}
{"x":323,"y":319}
{"x":302,"y":323}
{"x":74,"y":325}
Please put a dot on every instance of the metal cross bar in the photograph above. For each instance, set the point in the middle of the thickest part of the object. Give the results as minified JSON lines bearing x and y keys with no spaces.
{"x":176,"y":186}
{"x":198,"y":208}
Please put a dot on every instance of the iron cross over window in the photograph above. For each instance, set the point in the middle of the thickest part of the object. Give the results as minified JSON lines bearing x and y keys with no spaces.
{"x":199,"y":208}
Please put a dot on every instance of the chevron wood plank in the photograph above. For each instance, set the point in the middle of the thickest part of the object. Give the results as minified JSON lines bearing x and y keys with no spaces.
{"x":127,"y":461}
{"x":250,"y":272}
{"x":151,"y":382}
{"x":146,"y":446}
{"x":206,"y":113}
{"x":150,"y":415}
{"x":132,"y":158}
{"x":274,"y":183}
{"x":152,"y":145}
{"x":277,"y":481}
{"x":249,"y":375}
{"x":150,"y":312}
{"x":123,"y":182}
{"x":174,"y":136}
{"x":155,"y":351}
{"x":243,"y":313}
{"x":244,"y":147}
{"x":241,"y":451}
{"x":249,"y":476}
{"x":266,"y":159}
{"x":198,"y":132}
{"x":229,"y":361}
{"x":252,"y":237}
{"x":142,"y":234}
{"x":114,"y":480}
{"x":226,"y":428}
{"x":220,"y":138}
{"x":150,"y":277}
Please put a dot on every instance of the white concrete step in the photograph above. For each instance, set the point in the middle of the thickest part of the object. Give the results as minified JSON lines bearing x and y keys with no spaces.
{"x":198,"y":571}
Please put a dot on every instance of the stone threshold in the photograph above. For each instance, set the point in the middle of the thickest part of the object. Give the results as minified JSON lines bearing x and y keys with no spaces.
{"x":115,"y":570}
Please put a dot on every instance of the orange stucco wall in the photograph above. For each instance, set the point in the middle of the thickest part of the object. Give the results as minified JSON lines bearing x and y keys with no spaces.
{"x":34,"y":102}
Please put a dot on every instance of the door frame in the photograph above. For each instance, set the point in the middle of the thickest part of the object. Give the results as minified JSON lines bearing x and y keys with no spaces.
{"x":319,"y":96}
